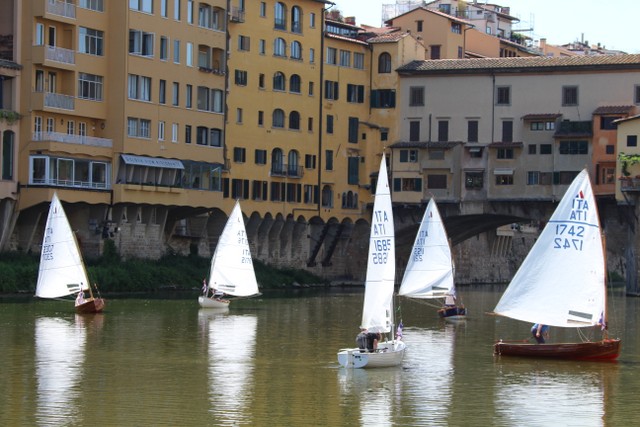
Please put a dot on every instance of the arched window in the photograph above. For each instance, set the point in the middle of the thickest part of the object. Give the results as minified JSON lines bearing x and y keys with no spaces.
{"x":384,"y":63}
{"x":277,"y":161}
{"x":295,"y":83}
{"x":279,"y":47}
{"x":278,"y":118}
{"x":296,"y":19}
{"x":280,"y":16}
{"x":292,"y":168}
{"x":279,"y":81}
{"x":294,"y":120}
{"x":296,"y":50}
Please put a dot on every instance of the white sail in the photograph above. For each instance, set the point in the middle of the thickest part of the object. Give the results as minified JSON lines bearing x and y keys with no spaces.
{"x":378,"y":296}
{"x":561,"y":281}
{"x":61,"y":270}
{"x":231,"y":265}
{"x":429,"y":272}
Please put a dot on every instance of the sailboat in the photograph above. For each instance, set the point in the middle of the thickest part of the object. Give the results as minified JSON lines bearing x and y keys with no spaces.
{"x":377,"y":313}
{"x":562,"y":281}
{"x":430,"y":269}
{"x":231,"y":270}
{"x":62,"y":271}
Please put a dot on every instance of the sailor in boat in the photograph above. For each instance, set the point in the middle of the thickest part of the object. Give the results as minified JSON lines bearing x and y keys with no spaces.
{"x":80,"y":297}
{"x":540,"y":332}
{"x":368,"y":341}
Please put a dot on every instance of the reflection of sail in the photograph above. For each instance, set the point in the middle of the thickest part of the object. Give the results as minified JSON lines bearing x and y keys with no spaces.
{"x":60,"y":348}
{"x":432,"y":356}
{"x":554,"y":395}
{"x":231,"y":363}
{"x":375,"y":391}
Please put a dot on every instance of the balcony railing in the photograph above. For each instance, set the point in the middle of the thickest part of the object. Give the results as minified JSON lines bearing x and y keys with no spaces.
{"x":72,"y":139}
{"x":236,"y":14}
{"x":629,"y":184}
{"x":69,"y":183}
{"x":61,"y":8}
{"x":60,"y":54}
{"x":58,"y":100}
{"x":291,"y":171}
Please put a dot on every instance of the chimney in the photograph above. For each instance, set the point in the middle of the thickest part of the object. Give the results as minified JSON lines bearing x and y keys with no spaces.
{"x":351,"y":20}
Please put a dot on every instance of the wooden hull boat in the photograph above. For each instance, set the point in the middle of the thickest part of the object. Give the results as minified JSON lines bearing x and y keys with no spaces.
{"x":91,"y":305}
{"x":207,"y":302}
{"x":607,"y":349}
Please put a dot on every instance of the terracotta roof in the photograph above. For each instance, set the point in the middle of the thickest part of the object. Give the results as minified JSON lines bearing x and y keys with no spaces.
{"x":446,"y":145}
{"x":615,"y":109}
{"x":345,"y":39}
{"x":388,"y":38}
{"x":542,"y":116}
{"x":435,"y":12}
{"x":520,"y":64}
{"x":4,"y":63}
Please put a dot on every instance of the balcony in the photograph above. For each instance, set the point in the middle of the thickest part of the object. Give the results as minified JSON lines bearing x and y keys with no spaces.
{"x":628,"y":184}
{"x":43,"y":100}
{"x":290,"y":171}
{"x":54,"y":56}
{"x":72,"y":139}
{"x":236,"y":14}
{"x":61,"y":8}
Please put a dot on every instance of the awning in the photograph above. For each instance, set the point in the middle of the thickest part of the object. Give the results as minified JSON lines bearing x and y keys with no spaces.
{"x":503,"y":171}
{"x":154,"y":162}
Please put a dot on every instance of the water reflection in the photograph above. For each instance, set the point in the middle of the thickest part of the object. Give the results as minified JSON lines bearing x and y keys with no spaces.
{"x":231,"y":351}
{"x":377,"y":392}
{"x":552,"y":392}
{"x":60,"y":350}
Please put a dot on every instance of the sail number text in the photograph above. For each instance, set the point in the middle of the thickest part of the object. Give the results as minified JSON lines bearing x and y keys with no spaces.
{"x":47,"y":246}
{"x":569,"y":237}
{"x":380,"y":254}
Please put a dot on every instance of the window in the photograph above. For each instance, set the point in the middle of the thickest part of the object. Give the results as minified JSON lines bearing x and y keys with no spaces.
{"x":189,"y":55}
{"x":190,"y":11}
{"x":408,"y":156}
{"x":210,"y":99}
{"x":241,"y":77}
{"x":162,"y":92}
{"x":259,"y":190}
{"x":331,"y":90}
{"x":164,"y":48}
{"x":206,"y":136}
{"x":384,"y":63}
{"x":261,"y":81}
{"x":345,"y":58}
{"x":176,"y":51}
{"x":312,"y":20}
{"x":435,"y":51}
{"x":329,"y":124}
{"x":175,"y":96}
{"x":138,"y":128}
{"x":294,"y":120}
{"x":503,"y":95}
{"x":606,"y":123}
{"x":504,"y":179}
{"x":39,"y":40}
{"x":456,"y":28}
{"x":504,"y":153}
{"x":636,"y":97}
{"x":414,"y":130}
{"x":279,"y":81}
{"x":310,"y":161}
{"x":507,"y":131}
{"x":263,"y":9}
{"x":260,"y":118}
{"x":296,"y":50}
{"x":140,"y":43}
{"x":280,"y":16}
{"x":141,"y":5}
{"x":533,"y":149}
{"x":310,"y":124}
{"x":310,"y":88}
{"x":533,"y":178}
{"x":472,"y":131}
{"x":295,"y":83}
{"x":278,"y":118}
{"x":437,"y":181}
{"x":280,"y":47}
{"x":244,"y":43}
{"x":239,"y":114}
{"x":96,"y":5}
{"x":161,"y":125}
{"x":355,"y":93}
{"x":89,"y":86}
{"x":353,"y":171}
{"x":262,"y":46}
{"x":139,"y":87}
{"x":328,"y":161}
{"x":610,"y":149}
{"x":416,"y":96}
{"x":534,"y":126}
{"x":383,"y":98}
{"x":239,"y":154}
{"x":574,"y":147}
{"x":312,"y":55}
{"x":419,"y":26}
{"x":358,"y":61}
{"x":569,"y":95}
{"x":176,"y":10}
{"x":473,"y":180}
{"x":353,"y":129}
{"x":163,"y":8}
{"x":189,"y":96}
{"x":332,"y":56}
{"x":546,"y":149}
{"x":296,"y":19}
{"x":187,"y":134}
{"x":443,"y":130}
{"x":210,"y":17}
{"x":91,"y":41}
{"x":632,"y":140}
{"x":8,"y":147}
{"x":260,"y":157}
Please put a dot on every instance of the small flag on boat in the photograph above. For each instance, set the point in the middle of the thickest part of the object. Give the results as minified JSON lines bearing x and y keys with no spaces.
{"x":399,"y":331}
{"x":602,"y":323}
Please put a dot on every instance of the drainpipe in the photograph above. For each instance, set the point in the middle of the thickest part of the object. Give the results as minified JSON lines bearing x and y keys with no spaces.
{"x":320,"y":100}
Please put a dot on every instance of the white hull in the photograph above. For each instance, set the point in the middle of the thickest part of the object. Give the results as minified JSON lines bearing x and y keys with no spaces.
{"x":389,"y":353}
{"x":206,"y":302}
